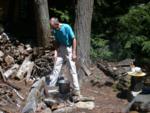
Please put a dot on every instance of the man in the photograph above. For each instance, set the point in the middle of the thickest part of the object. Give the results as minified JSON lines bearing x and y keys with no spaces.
{"x":65,"y":47}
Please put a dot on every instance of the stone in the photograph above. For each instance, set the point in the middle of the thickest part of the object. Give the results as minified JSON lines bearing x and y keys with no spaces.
{"x":133,"y":112}
{"x":140,"y":103}
{"x":68,"y":109}
{"x":85,"y":105}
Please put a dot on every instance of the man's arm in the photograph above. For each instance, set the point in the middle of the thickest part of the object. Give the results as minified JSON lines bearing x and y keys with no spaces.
{"x":56,"y":45}
{"x":74,"y":42}
{"x":74,"y":48}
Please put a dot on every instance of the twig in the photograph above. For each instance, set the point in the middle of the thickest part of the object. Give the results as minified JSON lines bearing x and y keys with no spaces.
{"x":19,"y":95}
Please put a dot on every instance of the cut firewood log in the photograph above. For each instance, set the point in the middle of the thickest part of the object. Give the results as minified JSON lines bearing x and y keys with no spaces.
{"x":12,"y":85}
{"x":1,"y":54}
{"x":21,"y":48}
{"x":2,"y":74}
{"x":29,"y":71}
{"x":28,"y":48}
{"x":11,"y":71}
{"x":9,"y":60}
{"x":34,"y":96}
{"x":82,"y":66}
{"x":24,"y":68}
{"x":86,"y":70}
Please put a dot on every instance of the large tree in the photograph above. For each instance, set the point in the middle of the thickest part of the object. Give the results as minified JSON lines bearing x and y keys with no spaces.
{"x":42,"y":20}
{"x":84,"y":11}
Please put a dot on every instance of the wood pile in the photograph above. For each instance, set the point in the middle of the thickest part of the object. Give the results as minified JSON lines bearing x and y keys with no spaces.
{"x":21,"y":60}
{"x":10,"y":98}
{"x":118,"y":71}
{"x":20,"y":66}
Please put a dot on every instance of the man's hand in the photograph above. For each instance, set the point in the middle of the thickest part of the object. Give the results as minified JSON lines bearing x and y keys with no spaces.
{"x":55,"y":55}
{"x":74,"y":56}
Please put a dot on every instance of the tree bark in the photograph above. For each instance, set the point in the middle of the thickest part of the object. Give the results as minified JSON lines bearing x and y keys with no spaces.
{"x":42,"y":21}
{"x":84,"y":11}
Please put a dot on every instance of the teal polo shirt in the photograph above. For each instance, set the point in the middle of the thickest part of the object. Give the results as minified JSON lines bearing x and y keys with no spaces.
{"x":65,"y":35}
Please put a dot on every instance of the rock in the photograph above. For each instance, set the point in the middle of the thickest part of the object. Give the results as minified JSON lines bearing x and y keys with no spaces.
{"x":139,"y":103}
{"x":65,"y":110}
{"x":9,"y":60}
{"x":85,"y":105}
{"x":133,"y":112}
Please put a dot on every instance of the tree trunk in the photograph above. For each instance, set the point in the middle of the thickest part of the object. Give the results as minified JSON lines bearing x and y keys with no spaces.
{"x":42,"y":20}
{"x":84,"y":10}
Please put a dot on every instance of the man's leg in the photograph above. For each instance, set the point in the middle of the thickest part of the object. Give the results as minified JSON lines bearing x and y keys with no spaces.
{"x":73,"y":70}
{"x":56,"y":71}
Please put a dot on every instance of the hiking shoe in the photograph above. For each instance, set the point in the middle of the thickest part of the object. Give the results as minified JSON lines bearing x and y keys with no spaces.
{"x":76,"y":93}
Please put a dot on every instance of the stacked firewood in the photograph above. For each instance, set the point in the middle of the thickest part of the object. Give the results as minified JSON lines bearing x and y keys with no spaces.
{"x":21,"y":60}
{"x":20,"y":66}
{"x":118,"y":71}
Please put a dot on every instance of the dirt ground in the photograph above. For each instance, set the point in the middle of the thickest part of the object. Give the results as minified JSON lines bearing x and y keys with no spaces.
{"x":106,"y":100}
{"x":11,"y":106}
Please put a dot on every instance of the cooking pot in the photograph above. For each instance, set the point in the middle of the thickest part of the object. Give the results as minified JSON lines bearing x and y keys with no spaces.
{"x":64,"y":86}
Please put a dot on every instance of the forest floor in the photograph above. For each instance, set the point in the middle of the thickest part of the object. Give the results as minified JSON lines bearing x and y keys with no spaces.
{"x":106,"y":100}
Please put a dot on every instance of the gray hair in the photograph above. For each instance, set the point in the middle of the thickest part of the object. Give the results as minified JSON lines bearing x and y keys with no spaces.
{"x":54,"y":20}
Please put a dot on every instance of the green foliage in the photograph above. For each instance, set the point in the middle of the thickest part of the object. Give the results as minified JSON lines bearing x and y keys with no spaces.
{"x":126,"y":26}
{"x":100,"y":48}
{"x":134,"y":31}
{"x":146,"y":46}
{"x":64,"y":15}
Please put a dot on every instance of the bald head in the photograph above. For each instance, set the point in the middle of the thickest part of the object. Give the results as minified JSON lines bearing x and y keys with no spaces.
{"x":54,"y":22}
